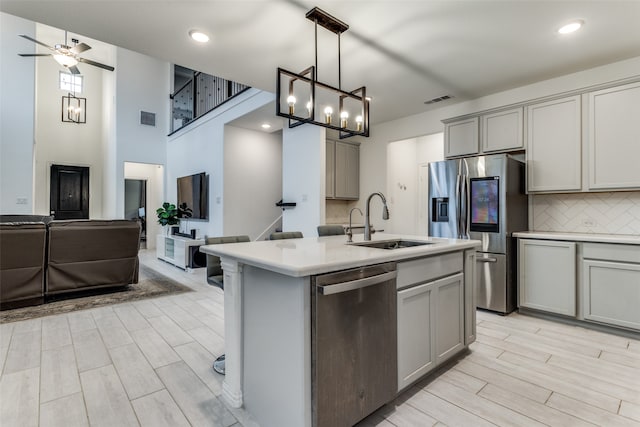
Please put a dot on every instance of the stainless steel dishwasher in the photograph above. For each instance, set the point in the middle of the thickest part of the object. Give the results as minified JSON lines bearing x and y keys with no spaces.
{"x":354,"y":363}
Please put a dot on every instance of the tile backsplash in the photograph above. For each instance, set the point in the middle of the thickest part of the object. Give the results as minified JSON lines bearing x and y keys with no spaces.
{"x":602,"y":213}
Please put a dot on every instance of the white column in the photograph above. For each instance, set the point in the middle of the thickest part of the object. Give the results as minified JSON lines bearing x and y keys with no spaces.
{"x":303,"y":178}
{"x":232,"y":384}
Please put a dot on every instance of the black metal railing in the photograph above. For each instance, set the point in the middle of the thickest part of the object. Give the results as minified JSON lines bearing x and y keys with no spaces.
{"x":200,"y":95}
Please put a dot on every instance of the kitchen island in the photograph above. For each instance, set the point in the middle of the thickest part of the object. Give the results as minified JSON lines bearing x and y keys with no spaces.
{"x":268,"y":314}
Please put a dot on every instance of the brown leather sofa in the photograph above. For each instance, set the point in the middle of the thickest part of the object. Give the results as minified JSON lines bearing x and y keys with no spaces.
{"x":91,"y":254}
{"x":23,"y":241}
{"x":46,"y":258}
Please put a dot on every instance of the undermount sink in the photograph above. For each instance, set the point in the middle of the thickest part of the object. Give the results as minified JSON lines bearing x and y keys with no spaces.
{"x":393,"y":244}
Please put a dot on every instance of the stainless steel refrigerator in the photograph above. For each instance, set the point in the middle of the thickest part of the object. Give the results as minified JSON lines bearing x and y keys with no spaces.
{"x":482,"y":198}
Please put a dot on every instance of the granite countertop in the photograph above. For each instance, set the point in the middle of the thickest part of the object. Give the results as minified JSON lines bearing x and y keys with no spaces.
{"x":317,"y":255}
{"x":628,"y":239}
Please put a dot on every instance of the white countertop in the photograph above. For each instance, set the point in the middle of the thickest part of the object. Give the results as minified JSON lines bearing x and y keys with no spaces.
{"x":317,"y":255}
{"x":628,"y":239}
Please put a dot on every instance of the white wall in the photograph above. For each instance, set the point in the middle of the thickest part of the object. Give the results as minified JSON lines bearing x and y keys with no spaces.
{"x":65,"y":143}
{"x":252,"y":180}
{"x":17,"y":109}
{"x":141,"y":83}
{"x":154,"y":175}
{"x":200,"y":148}
{"x":303,"y":178}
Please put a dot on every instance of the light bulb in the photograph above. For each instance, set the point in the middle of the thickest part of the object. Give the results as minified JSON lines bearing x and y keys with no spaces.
{"x":291,"y":100}
{"x":309,"y":108}
{"x":344,"y":116}
{"x":359,"y":123}
{"x":571,"y":27}
{"x":327,"y":115}
{"x":199,"y":36}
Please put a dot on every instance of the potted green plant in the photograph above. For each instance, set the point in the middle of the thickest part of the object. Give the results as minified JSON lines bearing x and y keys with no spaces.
{"x":168,"y":215}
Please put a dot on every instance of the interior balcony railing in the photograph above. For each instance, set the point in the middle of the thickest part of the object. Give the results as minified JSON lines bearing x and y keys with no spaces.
{"x":200,"y":95}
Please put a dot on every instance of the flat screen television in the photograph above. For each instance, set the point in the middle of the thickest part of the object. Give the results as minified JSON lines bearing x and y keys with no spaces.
{"x":193,"y":190}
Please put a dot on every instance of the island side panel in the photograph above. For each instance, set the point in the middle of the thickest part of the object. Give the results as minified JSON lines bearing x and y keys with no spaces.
{"x":276,"y":348}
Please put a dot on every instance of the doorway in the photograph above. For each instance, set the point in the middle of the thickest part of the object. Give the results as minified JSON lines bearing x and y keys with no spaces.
{"x":69,"y":192}
{"x":135,"y":205}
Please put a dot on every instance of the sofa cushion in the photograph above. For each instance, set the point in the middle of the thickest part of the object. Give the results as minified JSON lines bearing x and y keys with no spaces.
{"x":22,"y":261}
{"x":92,"y":253}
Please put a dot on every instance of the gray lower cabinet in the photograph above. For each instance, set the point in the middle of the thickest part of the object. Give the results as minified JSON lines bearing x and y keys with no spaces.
{"x":547,"y":276}
{"x":416,"y":347}
{"x":470,"y":296}
{"x":431,"y":319}
{"x":611,"y":284}
{"x":449,"y":323}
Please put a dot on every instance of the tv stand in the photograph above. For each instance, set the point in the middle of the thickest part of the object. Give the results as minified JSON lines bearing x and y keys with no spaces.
{"x":177,"y":250}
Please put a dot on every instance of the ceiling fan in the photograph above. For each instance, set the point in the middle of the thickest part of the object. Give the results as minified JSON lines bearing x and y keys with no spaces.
{"x":66,"y":55}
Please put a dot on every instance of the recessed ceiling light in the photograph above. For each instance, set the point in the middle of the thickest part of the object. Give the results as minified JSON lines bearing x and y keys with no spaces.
{"x":266,"y":126}
{"x":199,"y":36}
{"x":571,"y":27}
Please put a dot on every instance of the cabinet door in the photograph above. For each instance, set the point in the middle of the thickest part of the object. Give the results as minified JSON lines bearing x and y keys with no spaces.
{"x":547,"y":276}
{"x":449,"y":322}
{"x":180,"y":253}
{"x":347,"y":164}
{"x":554,"y":139}
{"x":461,"y":137}
{"x":614,"y":137}
{"x":611,"y":292}
{"x":416,"y":348}
{"x":330,"y":170}
{"x":502,"y":131}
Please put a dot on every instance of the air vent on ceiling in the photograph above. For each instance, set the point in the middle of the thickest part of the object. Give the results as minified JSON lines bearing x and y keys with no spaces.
{"x":147,"y":118}
{"x":438,"y":99}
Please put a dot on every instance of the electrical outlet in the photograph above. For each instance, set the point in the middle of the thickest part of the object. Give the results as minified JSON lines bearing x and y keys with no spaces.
{"x":21,"y":201}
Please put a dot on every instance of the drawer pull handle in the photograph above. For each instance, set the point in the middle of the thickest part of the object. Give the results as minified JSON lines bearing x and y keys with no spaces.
{"x":487,"y":259}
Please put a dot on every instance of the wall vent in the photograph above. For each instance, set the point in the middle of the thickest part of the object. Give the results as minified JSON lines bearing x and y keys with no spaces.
{"x":438,"y":99}
{"x":147,"y":118}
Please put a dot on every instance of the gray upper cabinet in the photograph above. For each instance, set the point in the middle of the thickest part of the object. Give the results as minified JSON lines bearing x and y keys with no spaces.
{"x":461,"y":137}
{"x":554,"y":145}
{"x":614,"y":138}
{"x":343,"y":171}
{"x":330,"y":175}
{"x":502,"y":130}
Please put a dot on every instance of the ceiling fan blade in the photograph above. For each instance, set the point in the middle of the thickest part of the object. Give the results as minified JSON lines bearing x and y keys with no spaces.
{"x":79,"y":48}
{"x":96,"y":64}
{"x":34,"y":54}
{"x":73,"y":69}
{"x":36,"y":41}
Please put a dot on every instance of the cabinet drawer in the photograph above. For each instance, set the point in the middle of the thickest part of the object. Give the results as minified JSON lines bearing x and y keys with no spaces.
{"x":429,"y":268}
{"x":611,"y":252}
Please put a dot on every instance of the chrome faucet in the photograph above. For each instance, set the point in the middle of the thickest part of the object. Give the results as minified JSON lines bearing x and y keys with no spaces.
{"x":368,"y":228}
{"x":350,"y":231}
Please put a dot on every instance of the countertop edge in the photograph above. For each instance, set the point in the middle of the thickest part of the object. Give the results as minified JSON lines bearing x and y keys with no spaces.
{"x":580,"y":237}
{"x":314,"y":268}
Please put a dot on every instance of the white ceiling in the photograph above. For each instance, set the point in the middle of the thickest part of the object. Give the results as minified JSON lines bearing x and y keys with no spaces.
{"x":404,"y":52}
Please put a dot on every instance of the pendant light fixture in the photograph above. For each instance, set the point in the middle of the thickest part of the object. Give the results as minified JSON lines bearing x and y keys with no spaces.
{"x":301,"y":98}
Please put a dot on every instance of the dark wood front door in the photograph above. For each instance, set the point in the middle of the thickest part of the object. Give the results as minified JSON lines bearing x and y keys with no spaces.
{"x":69,"y":192}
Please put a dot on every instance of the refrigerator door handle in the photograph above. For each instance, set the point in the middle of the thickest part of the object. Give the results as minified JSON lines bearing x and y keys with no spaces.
{"x":458,"y":206}
{"x":464,"y":211}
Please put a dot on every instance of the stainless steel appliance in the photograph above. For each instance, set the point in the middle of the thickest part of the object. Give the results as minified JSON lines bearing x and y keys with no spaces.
{"x":482,"y":198}
{"x":354,"y":361}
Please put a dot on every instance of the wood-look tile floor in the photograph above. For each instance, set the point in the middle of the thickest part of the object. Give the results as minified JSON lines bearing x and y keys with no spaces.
{"x":148,"y":363}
